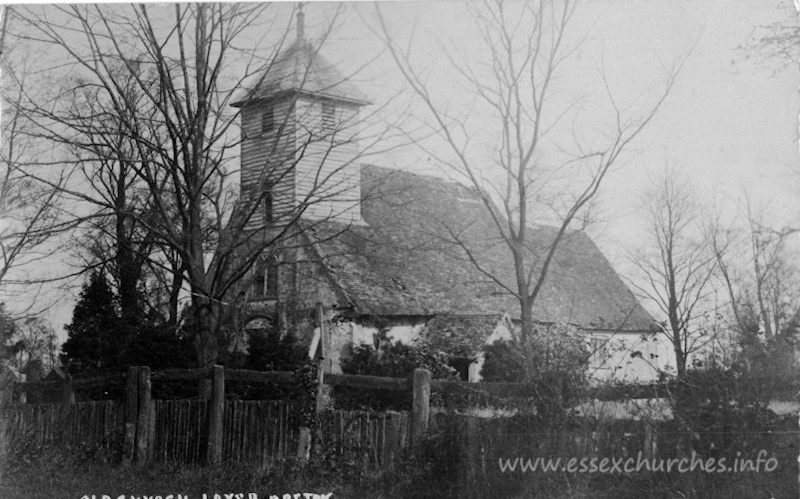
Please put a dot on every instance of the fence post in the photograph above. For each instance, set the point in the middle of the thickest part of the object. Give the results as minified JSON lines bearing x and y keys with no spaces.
{"x":421,"y":404}
{"x":304,"y":440}
{"x":143,"y":415}
{"x":323,"y":364}
{"x":23,"y":394}
{"x":131,"y":411}
{"x":649,"y":444}
{"x":151,"y":431}
{"x":216,"y":415}
{"x":67,"y":393}
{"x":8,"y":386}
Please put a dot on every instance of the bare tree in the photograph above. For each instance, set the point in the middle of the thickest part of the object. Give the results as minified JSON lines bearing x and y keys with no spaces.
{"x":28,"y":209}
{"x":775,"y":277}
{"x":677,"y":265}
{"x":101,"y":137}
{"x":10,"y":344}
{"x":756,"y":263}
{"x":534,"y":174}
{"x":780,"y":43}
{"x":165,"y":92}
{"x":40,"y":345}
{"x":756,"y":266}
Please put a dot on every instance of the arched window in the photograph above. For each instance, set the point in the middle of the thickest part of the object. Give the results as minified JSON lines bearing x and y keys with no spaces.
{"x":265,"y":279}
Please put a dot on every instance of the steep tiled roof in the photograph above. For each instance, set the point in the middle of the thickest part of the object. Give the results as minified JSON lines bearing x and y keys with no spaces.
{"x":459,"y":335}
{"x":299,"y":68}
{"x":403,"y":261}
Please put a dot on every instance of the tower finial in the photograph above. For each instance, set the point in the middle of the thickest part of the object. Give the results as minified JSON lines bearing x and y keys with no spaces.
{"x":301,"y":28}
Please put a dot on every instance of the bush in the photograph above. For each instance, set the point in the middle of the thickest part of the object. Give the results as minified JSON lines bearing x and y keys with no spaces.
{"x":555,"y":348}
{"x":723,"y":409}
{"x":393,"y":360}
{"x":555,"y":359}
{"x":268,"y":350}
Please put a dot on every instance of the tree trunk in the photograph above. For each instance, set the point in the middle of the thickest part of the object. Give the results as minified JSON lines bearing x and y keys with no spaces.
{"x":680,"y":357}
{"x":531,"y":365}
{"x":677,"y":342}
{"x":206,"y":318}
{"x":128,"y":273}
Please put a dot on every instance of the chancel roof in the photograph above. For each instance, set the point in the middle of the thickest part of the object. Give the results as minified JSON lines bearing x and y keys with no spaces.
{"x":429,"y":247}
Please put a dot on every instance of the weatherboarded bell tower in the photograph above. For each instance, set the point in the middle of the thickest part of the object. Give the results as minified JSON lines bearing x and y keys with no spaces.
{"x":299,"y":166}
{"x":299,"y":149}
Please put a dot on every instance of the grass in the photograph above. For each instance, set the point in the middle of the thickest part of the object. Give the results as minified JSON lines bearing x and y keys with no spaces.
{"x":161,"y":480}
{"x":49,"y":481}
{"x":52,"y":476}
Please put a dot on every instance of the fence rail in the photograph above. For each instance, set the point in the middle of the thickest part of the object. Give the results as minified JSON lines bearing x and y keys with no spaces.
{"x":356,"y":381}
{"x":213,"y":429}
{"x":370,"y":382}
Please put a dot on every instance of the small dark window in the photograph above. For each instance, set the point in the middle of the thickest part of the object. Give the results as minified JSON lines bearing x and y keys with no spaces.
{"x":265,"y":279}
{"x":328,"y":114}
{"x":271,"y":286}
{"x":461,"y":365}
{"x":267,"y":119}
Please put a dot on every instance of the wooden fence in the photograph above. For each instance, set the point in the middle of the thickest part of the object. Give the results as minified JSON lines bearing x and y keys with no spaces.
{"x":179,"y":429}
{"x":141,"y":429}
{"x":254,"y":431}
{"x":86,"y":425}
{"x":371,"y":440}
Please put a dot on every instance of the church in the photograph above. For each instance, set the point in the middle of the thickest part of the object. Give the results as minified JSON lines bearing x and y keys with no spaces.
{"x":377,"y":247}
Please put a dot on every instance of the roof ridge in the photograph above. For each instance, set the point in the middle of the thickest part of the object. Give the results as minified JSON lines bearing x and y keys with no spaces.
{"x":448,"y":181}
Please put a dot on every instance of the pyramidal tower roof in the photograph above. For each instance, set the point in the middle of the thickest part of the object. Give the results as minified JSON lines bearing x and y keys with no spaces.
{"x":299,"y":68}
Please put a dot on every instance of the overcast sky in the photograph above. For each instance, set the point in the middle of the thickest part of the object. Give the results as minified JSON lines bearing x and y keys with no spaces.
{"x":731,"y":122}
